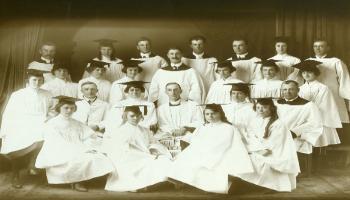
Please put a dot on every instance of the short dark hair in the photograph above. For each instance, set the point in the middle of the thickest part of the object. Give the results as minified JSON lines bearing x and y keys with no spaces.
{"x":174,"y":48}
{"x":143,"y":39}
{"x":197,"y":37}
{"x":127,"y":88}
{"x":88,"y":83}
{"x":47,"y":43}
{"x":291,"y":81}
{"x":173,"y":83}
{"x":321,"y":40}
{"x":241,"y":39}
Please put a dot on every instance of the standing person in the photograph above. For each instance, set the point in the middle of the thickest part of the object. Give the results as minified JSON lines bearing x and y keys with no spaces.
{"x":97,"y":70}
{"x":269,"y":86}
{"x":272,"y":150}
{"x":189,"y":80}
{"x":212,"y":155}
{"x":131,"y":69}
{"x":201,"y":61}
{"x":61,"y":84}
{"x":285,"y":61}
{"x":22,"y":123}
{"x":335,"y":75}
{"x":106,"y":53}
{"x":139,"y":158}
{"x":219,"y":92}
{"x":65,"y":155}
{"x":152,"y":62}
{"x":320,"y":94}
{"x":244,"y":62}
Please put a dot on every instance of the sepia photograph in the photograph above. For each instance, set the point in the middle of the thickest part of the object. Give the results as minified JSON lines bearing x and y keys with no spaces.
{"x":174,"y":99}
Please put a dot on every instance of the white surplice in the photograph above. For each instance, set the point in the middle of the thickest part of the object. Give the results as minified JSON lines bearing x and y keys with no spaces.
{"x":91,"y":114}
{"x":238,"y":113}
{"x":150,"y":66}
{"x":103,"y":86}
{"x":61,"y":87}
{"x":220,"y":93}
{"x":247,"y":68}
{"x":321,"y":95}
{"x":43,"y":66}
{"x":286,"y":71}
{"x":266,"y":88}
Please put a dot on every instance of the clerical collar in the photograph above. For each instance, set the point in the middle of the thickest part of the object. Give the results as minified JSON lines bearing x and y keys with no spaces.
{"x":175,"y":103}
{"x":242,"y":55}
{"x":291,"y":99}
{"x":48,"y":61}
{"x":145,"y":55}
{"x":176,"y":65}
{"x":198,"y":56}
{"x":319,"y":57}
{"x":90,"y":101}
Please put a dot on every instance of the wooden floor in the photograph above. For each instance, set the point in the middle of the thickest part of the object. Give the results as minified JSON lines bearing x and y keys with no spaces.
{"x":326,"y":184}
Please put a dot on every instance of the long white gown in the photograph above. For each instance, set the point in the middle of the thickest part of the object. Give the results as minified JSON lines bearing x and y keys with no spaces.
{"x":238,"y":113}
{"x":266,"y":88}
{"x":61,"y":87}
{"x":321,"y":95}
{"x":65,"y":154}
{"x":103,"y":86}
{"x":278,"y":170}
{"x":216,"y":151}
{"x":129,"y":149}
{"x":23,"y":119}
{"x":220,"y":93}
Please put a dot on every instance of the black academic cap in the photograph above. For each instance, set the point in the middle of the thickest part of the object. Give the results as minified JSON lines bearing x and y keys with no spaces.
{"x":134,"y":108}
{"x":62,"y":98}
{"x":225,"y":63}
{"x":243,"y":87}
{"x":265,"y":100}
{"x":132,"y":63}
{"x":106,"y":42}
{"x":136,"y":84}
{"x":213,"y":106}
{"x":35,"y":72}
{"x":308,"y":65}
{"x":58,"y":66}
{"x":269,"y":62}
{"x":97,"y":64}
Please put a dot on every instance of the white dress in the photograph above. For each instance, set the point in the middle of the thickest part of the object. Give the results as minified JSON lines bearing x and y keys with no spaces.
{"x":103,"y":86}
{"x":23,"y":119}
{"x":60,"y":87}
{"x":266,"y":88}
{"x":215,"y":152}
{"x":320,"y":94}
{"x":220,"y":93}
{"x":65,"y":154}
{"x":278,"y":170}
{"x":136,"y":168}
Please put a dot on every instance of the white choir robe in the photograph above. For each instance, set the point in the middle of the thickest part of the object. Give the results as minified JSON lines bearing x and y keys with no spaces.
{"x":91,"y":114}
{"x":246,"y":69}
{"x":321,"y":95}
{"x":215,"y":152}
{"x":41,"y":65}
{"x":286,"y":71}
{"x":220,"y":93}
{"x":205,"y":68}
{"x":23,"y":119}
{"x":150,"y":66}
{"x":305,"y":121}
{"x":113,"y":72}
{"x":238,"y":113}
{"x":117,"y":91}
{"x":61,"y":87}
{"x":114,"y":116}
{"x":136,"y":168}
{"x":103,"y":87}
{"x":266,"y":88}
{"x":65,"y":154}
{"x":335,"y":75}
{"x":191,"y":84}
{"x":278,"y":170}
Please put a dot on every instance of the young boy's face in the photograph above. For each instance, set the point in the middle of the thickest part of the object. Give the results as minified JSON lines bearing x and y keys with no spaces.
{"x":308,"y":76}
{"x":133,"y":118}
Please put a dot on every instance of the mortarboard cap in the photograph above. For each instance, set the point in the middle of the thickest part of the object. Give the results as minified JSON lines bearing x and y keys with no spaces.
{"x":269,"y":62}
{"x":225,"y":63}
{"x":62,"y":98}
{"x":265,"y":100}
{"x":35,"y":72}
{"x":134,"y":108}
{"x":132,"y":63}
{"x":308,"y":65}
{"x":57,"y":66}
{"x":136,"y":84}
{"x":97,"y":64}
{"x":106,"y":42}
{"x":243,"y":87}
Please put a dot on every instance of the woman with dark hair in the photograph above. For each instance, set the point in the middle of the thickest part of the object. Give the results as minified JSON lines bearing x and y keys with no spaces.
{"x":66,"y":154}
{"x":271,"y":149}
{"x":212,"y":155}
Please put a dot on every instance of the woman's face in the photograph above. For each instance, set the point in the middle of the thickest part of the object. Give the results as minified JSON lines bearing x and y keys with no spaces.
{"x":133,"y":118}
{"x":98,"y":73}
{"x":211,"y":116}
{"x":238,"y":96}
{"x":263,"y":110}
{"x":268,"y":72}
{"x":67,"y":110}
{"x":224,"y":72}
{"x":308,"y":76}
{"x":106,"y":51}
{"x":131,"y":72}
{"x":134,"y":92}
{"x":35,"y":82}
{"x":281,"y":48}
{"x":61,"y":73}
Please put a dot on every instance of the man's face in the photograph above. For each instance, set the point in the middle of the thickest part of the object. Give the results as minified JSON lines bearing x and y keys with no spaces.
{"x":106,"y":51}
{"x":289,"y":91}
{"x":134,"y":92}
{"x":174,"y":56}
{"x":89,"y":90}
{"x":197,"y":46}
{"x":144,"y":46}
{"x":239,"y":47}
{"x":35,"y":82}
{"x":268,"y":72}
{"x":281,"y":48}
{"x":173,"y":91}
{"x":48,"y":51}
{"x":321,"y":48}
{"x":61,"y":73}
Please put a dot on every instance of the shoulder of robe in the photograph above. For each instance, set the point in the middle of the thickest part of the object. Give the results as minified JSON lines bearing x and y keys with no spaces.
{"x":281,"y":101}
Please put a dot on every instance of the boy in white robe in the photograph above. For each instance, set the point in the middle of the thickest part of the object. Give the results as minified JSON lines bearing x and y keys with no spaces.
{"x":151,"y":62}
{"x":269,"y":85}
{"x":272,"y":150}
{"x":301,"y":117}
{"x":97,"y":69}
{"x":60,"y":84}
{"x":219,"y":92}
{"x":131,"y":69}
{"x":66,"y":155}
{"x":176,"y":119}
{"x":213,"y":154}
{"x":140,"y":160}
{"x":244,"y":62}
{"x":200,"y":61}
{"x":190,"y":81}
{"x":22,"y":123}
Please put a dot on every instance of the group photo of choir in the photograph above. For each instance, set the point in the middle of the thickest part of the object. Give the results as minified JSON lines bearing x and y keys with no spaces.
{"x":185,"y":120}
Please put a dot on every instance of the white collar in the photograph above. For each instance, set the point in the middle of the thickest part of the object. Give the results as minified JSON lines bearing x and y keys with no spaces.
{"x":198,"y":56}
{"x":319,"y":57}
{"x":145,"y":55}
{"x":90,"y":100}
{"x":177,"y":65}
{"x":175,"y":102}
{"x":48,"y":61}
{"x":242,"y":55}
{"x":291,"y":99}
